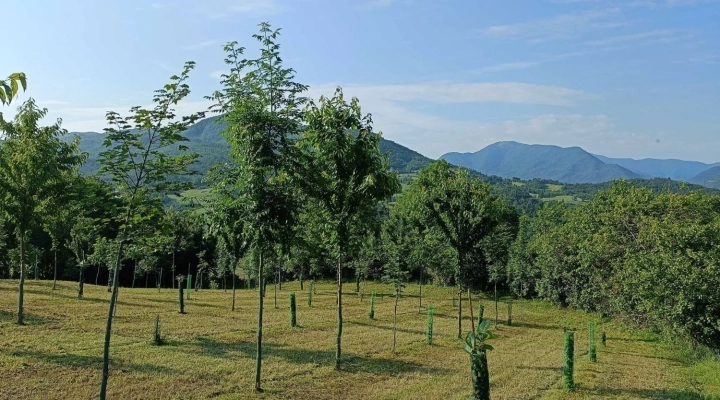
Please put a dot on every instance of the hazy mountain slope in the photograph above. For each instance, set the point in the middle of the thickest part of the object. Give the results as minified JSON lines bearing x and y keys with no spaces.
{"x":708,"y":178}
{"x":512,"y":159}
{"x":656,"y":168}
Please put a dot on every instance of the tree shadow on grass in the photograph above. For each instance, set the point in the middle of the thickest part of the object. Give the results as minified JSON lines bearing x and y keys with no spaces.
{"x":652,"y":340}
{"x":387,"y":328}
{"x":349,"y":363}
{"x":655,"y":394}
{"x":28,"y":319}
{"x":80,"y":361}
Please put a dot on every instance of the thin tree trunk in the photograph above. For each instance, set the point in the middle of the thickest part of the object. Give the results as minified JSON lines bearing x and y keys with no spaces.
{"x":258,"y":356}
{"x":159,"y":282}
{"x":472,"y":317}
{"x":36,"y":267}
{"x":301,"y":282}
{"x":280,"y":277}
{"x":339,"y":313}
{"x":97,"y":276}
{"x":420,"y":306}
{"x":147,"y":277}
{"x":134,"y":273}
{"x":496,"y":305}
{"x":55,"y":272}
{"x":277,"y":278}
{"x":233,"y":287}
{"x":459,"y":318}
{"x":173,"y":270}
{"x":108,"y":327}
{"x":397,"y":297}
{"x":21,"y":286}
{"x":81,"y":283}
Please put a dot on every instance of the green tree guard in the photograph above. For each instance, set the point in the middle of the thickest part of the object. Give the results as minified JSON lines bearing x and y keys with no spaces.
{"x":568,"y":382}
{"x":477,"y":348}
{"x":592,"y":348}
{"x":510,"y":313}
{"x":603,"y":338}
{"x":372,"y":305}
{"x":182,"y":298}
{"x":429,"y":325}
{"x":157,"y":340}
{"x":293,"y":310}
{"x":310,"y":292}
{"x":189,"y":286}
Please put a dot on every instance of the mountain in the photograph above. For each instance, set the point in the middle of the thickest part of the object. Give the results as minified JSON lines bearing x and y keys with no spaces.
{"x":517,"y":160}
{"x":205,"y":138}
{"x":679,"y":170}
{"x":708,"y":178}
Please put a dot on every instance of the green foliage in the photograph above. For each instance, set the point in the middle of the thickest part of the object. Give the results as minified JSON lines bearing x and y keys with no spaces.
{"x":481,"y":316}
{"x":569,"y":361}
{"x":293,"y":310}
{"x":429,"y":324}
{"x":477,"y":348}
{"x":10,"y":87}
{"x":592,"y":347}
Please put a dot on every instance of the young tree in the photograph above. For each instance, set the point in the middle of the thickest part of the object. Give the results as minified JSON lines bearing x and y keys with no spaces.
{"x":463,"y":208}
{"x":262,"y":108}
{"x":345,"y":172}
{"x":34,"y":168}
{"x":10,"y":87}
{"x":136,"y":162}
{"x":397,"y":250}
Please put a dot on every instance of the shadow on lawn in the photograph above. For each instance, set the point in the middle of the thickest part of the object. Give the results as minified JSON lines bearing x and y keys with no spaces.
{"x":654,"y":394}
{"x":349,"y":363}
{"x":80,"y":361}
{"x":387,"y":328}
{"x":29,"y":319}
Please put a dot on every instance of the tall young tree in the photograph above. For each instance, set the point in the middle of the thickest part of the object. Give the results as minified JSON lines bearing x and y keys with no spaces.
{"x":136,"y":162}
{"x":262,"y":107}
{"x":463,"y":208}
{"x":34,"y":168}
{"x":342,"y":168}
{"x":10,"y":87}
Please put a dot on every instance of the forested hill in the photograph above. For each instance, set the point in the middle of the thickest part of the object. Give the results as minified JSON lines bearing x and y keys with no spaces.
{"x":527,"y":195}
{"x":205,"y":139}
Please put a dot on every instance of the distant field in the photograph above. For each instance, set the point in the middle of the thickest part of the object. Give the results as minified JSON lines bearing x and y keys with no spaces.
{"x":210,"y":350}
{"x":565,"y":199}
{"x":553,"y":187}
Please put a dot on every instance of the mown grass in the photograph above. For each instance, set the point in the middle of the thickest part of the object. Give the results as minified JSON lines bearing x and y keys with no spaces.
{"x":209,"y":351}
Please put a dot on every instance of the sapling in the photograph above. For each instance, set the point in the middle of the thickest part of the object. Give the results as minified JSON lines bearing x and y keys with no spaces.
{"x":477,"y":348}
{"x":293,"y":310}
{"x":189,"y":285}
{"x":481,"y":312}
{"x":157,"y":339}
{"x":592,"y":348}
{"x":569,"y":361}
{"x":180,"y":280}
{"x":429,"y":324}
{"x":310,"y":292}
{"x":372,"y":305}
{"x":603,"y":338}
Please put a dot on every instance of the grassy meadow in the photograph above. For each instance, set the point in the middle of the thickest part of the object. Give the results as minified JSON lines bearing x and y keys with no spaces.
{"x":209,"y":352}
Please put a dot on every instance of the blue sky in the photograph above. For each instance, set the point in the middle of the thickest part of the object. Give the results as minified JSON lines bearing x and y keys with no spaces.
{"x":619,"y":78}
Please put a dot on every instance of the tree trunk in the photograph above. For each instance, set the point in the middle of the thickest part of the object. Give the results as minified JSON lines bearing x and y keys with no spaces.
{"x":496,"y":305}
{"x":459,"y":318}
{"x":108,"y":327}
{"x":357,"y":283}
{"x":55,"y":272}
{"x":134,"y":273}
{"x":81,"y":284}
{"x":173,"y":270}
{"x":21,"y":286}
{"x":233,"y":288}
{"x":301,"y":282}
{"x":472,"y":317}
{"x":420,"y":306}
{"x":397,"y":297}
{"x":97,"y":276}
{"x":258,"y":356}
{"x":277,"y":278}
{"x":147,"y":277}
{"x":159,"y":282}
{"x":280,"y":277}
{"x":36,"y":267}
{"x":339,"y":313}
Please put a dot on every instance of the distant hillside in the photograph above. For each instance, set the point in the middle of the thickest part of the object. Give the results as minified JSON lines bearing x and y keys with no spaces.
{"x":205,"y":139}
{"x":568,"y":165}
{"x":654,"y":168}
{"x":708,"y":178}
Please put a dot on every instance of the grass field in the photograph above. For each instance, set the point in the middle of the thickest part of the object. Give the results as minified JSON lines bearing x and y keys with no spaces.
{"x":210,"y":351}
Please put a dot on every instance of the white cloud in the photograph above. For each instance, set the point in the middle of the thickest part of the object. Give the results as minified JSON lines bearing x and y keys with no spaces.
{"x":561,"y":26}
{"x":528,"y":64}
{"x":449,"y":93}
{"x":202,"y":44}
{"x":655,"y":36}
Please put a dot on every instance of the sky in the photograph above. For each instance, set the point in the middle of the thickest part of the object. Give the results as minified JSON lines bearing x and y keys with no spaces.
{"x":631,"y":78}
